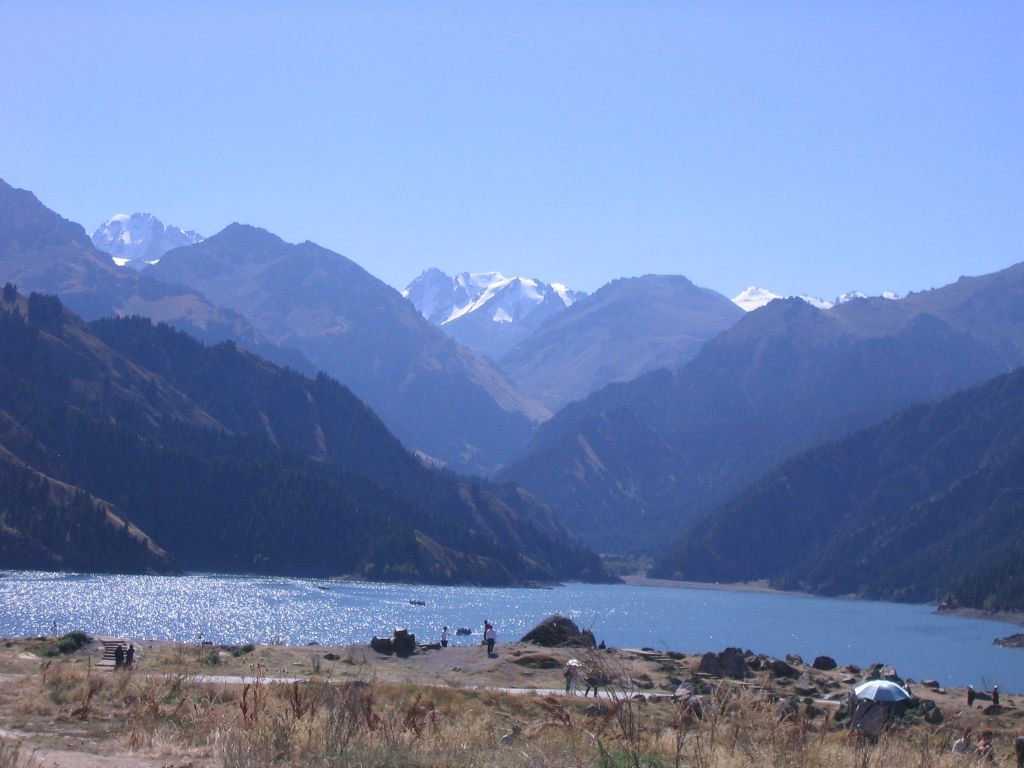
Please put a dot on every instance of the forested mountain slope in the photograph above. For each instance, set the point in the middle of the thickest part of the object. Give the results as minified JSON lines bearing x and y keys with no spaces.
{"x":230,"y":463}
{"x":635,"y":464}
{"x":927,"y":505}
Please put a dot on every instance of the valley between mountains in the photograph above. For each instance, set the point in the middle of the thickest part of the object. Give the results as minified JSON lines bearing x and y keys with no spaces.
{"x":238,"y":403}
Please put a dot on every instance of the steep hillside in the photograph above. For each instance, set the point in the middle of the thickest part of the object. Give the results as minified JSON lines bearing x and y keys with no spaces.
{"x":437,"y":396}
{"x":230,"y":463}
{"x":40,"y":251}
{"x":928,"y":504}
{"x":625,"y":329}
{"x":784,"y":378}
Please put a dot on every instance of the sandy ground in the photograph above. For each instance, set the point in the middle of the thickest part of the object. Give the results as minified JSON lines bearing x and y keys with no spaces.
{"x":64,"y":741}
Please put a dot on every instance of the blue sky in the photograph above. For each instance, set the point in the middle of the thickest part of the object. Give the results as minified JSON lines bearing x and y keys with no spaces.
{"x":810,"y":147}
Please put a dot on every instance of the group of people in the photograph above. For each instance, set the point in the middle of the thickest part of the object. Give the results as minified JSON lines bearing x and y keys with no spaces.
{"x":574,"y":670}
{"x":124,"y":659}
{"x":982,"y":749}
{"x":490,"y":637}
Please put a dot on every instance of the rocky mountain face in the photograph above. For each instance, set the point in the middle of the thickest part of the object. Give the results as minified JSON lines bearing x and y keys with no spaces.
{"x":40,"y":251}
{"x":925,"y":506}
{"x":753,"y":297}
{"x":486,"y":311}
{"x":438,"y":396}
{"x":623,"y":330}
{"x":635,"y":464}
{"x":133,"y":447}
{"x":139,"y":239}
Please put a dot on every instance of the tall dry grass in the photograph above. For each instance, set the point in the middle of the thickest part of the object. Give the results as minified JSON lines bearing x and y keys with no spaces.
{"x":326,"y":723}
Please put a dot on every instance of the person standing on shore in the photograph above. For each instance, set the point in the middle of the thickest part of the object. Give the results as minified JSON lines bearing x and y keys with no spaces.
{"x":444,"y":637}
{"x":995,"y":695}
{"x":970,"y":695}
{"x":489,"y":637}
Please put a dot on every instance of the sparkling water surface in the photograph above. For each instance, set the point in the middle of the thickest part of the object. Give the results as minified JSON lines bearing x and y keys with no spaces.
{"x":236,"y":609}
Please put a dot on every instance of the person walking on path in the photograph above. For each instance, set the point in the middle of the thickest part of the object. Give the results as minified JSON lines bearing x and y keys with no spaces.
{"x":129,"y":657}
{"x":572,"y":676}
{"x":444,"y":637}
{"x":489,"y":637}
{"x":118,"y":656}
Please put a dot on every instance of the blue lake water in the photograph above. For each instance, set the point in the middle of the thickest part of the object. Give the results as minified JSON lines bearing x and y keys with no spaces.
{"x":234,"y":609}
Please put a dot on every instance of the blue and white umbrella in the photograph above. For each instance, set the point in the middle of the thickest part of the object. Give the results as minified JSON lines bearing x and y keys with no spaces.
{"x":881,"y":690}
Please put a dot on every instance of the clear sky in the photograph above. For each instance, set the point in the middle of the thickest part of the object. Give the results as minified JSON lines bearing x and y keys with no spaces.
{"x":808,"y":147}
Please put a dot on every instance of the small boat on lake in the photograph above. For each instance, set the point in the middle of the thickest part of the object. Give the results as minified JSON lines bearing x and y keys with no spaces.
{"x":463,"y":631}
{"x":416,"y":602}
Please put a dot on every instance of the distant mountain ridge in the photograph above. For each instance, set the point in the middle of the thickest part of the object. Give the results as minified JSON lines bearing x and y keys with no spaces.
{"x":230,"y":463}
{"x":624,"y":329}
{"x":487,"y":311}
{"x":754,"y":297}
{"x":436,"y":395}
{"x":635,"y":464}
{"x":926,"y":506}
{"x":140,"y":239}
{"x":41,"y":251}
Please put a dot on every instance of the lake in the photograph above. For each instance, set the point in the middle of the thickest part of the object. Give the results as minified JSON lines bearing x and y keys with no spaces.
{"x":234,"y":609}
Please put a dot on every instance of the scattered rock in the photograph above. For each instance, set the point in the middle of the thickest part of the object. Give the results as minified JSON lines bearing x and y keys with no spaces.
{"x":931,"y":684}
{"x":788,"y":708}
{"x":794,"y":658}
{"x":781,"y":668}
{"x":824,"y":663}
{"x":731,"y":663}
{"x":332,"y":657}
{"x":402,"y":642}
{"x":931,"y":712}
{"x":805,"y":686}
{"x":594,"y":710}
{"x":559,"y":631}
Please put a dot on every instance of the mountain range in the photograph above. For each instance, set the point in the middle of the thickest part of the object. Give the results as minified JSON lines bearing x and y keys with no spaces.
{"x":633,"y":465}
{"x":626,"y":328}
{"x":926,"y":506}
{"x":438,"y":396}
{"x":41,"y":251}
{"x":130,"y":446}
{"x":139,"y":239}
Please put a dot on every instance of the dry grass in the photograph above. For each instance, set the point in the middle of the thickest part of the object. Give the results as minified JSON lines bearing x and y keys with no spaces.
{"x":325,"y":722}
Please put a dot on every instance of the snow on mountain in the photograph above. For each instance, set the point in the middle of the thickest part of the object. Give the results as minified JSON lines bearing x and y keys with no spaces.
{"x":814,"y":301}
{"x":487,"y":311}
{"x":140,"y":239}
{"x":850,"y":296}
{"x":753,"y":297}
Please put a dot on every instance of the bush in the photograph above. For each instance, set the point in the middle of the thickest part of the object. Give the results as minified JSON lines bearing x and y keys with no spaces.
{"x":68,"y":643}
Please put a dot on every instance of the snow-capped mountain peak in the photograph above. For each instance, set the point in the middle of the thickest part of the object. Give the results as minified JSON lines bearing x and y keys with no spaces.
{"x":754,"y":297}
{"x":139,"y":239}
{"x":487,"y":311}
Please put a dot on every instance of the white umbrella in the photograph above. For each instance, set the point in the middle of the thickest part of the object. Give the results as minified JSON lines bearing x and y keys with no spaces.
{"x":881,"y":690}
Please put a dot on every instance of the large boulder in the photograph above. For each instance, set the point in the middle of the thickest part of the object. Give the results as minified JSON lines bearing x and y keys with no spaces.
{"x":781,"y":668}
{"x":729,"y":663}
{"x":824,"y":663}
{"x":559,"y":631}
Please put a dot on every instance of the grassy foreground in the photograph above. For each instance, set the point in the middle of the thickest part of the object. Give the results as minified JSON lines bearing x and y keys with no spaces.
{"x":356,"y":708}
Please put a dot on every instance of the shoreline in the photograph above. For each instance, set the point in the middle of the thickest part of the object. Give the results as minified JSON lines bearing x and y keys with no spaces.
{"x":762,"y":586}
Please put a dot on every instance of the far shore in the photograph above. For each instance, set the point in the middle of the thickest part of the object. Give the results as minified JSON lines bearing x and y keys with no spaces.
{"x":635,"y":580}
